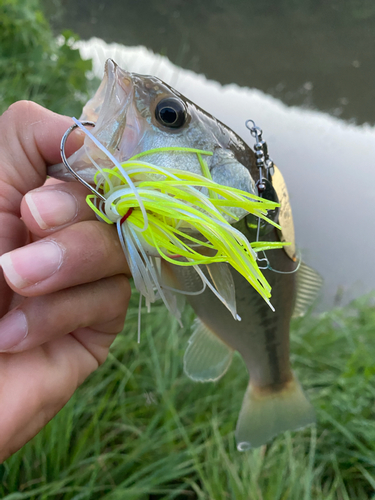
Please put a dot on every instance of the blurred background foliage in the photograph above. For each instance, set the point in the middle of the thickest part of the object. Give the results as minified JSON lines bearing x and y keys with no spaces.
{"x":34,"y":65}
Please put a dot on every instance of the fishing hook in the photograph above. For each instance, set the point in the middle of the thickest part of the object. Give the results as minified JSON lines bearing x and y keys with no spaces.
{"x":66,"y":163}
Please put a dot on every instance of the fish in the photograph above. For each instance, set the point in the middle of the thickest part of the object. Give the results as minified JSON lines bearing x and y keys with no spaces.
{"x":136,"y":113}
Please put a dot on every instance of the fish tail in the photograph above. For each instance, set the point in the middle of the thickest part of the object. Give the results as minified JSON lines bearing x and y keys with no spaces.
{"x":266,"y":413}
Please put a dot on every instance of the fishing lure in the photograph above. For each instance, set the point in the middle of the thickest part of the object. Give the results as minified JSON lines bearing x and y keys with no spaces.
{"x":181,"y":217}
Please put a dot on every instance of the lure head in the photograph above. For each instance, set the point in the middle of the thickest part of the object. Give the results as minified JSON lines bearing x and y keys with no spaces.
{"x":135,"y":113}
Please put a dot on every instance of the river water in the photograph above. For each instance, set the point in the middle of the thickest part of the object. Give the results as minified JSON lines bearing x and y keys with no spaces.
{"x":314,"y":103}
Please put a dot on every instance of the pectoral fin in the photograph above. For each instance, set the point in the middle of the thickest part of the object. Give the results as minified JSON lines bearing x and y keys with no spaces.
{"x":309,"y":282}
{"x":265,"y":414}
{"x":207,"y":358}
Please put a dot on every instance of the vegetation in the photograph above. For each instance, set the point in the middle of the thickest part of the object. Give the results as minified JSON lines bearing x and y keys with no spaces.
{"x":140,"y":429}
{"x":34,"y":65}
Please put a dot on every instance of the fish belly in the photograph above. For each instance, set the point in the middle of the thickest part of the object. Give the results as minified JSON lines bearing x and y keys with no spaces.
{"x":262,"y":335}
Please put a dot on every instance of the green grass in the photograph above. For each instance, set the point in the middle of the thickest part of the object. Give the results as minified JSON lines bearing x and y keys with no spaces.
{"x":140,"y":429}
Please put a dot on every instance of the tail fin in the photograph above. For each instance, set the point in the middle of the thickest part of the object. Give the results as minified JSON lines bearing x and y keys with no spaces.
{"x":265,"y":414}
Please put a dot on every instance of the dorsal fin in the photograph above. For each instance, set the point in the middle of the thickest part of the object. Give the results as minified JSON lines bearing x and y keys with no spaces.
{"x":309,"y":282}
{"x":207,"y":358}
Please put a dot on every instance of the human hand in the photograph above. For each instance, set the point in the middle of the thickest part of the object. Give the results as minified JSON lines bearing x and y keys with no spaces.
{"x":65,"y":293}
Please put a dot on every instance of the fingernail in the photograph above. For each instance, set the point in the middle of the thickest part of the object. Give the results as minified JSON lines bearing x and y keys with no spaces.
{"x":51,"y":208}
{"x":79,"y":133}
{"x":13,"y":329}
{"x":33,"y":263}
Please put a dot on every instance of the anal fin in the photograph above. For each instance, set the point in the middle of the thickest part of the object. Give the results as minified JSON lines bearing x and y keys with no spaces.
{"x":264,"y":414}
{"x":207,"y":358}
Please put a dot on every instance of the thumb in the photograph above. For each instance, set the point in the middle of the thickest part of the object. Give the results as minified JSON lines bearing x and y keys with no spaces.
{"x":30,"y":138}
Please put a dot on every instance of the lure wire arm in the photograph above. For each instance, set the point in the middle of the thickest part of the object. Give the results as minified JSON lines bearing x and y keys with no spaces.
{"x":263,"y":162}
{"x":66,"y":163}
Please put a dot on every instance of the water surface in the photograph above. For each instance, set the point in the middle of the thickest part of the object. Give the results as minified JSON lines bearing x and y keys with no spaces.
{"x":313,"y":53}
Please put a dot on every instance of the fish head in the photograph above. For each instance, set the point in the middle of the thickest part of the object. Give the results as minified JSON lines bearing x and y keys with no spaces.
{"x":135,"y":113}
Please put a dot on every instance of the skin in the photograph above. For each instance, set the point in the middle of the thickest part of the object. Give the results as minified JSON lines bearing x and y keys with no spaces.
{"x":74,"y":314}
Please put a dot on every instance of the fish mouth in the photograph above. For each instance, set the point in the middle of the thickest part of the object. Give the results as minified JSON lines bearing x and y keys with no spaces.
{"x":113,"y":111}
{"x":117,"y":125}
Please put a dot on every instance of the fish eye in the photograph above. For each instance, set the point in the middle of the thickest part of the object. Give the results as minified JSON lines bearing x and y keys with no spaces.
{"x":170,"y":113}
